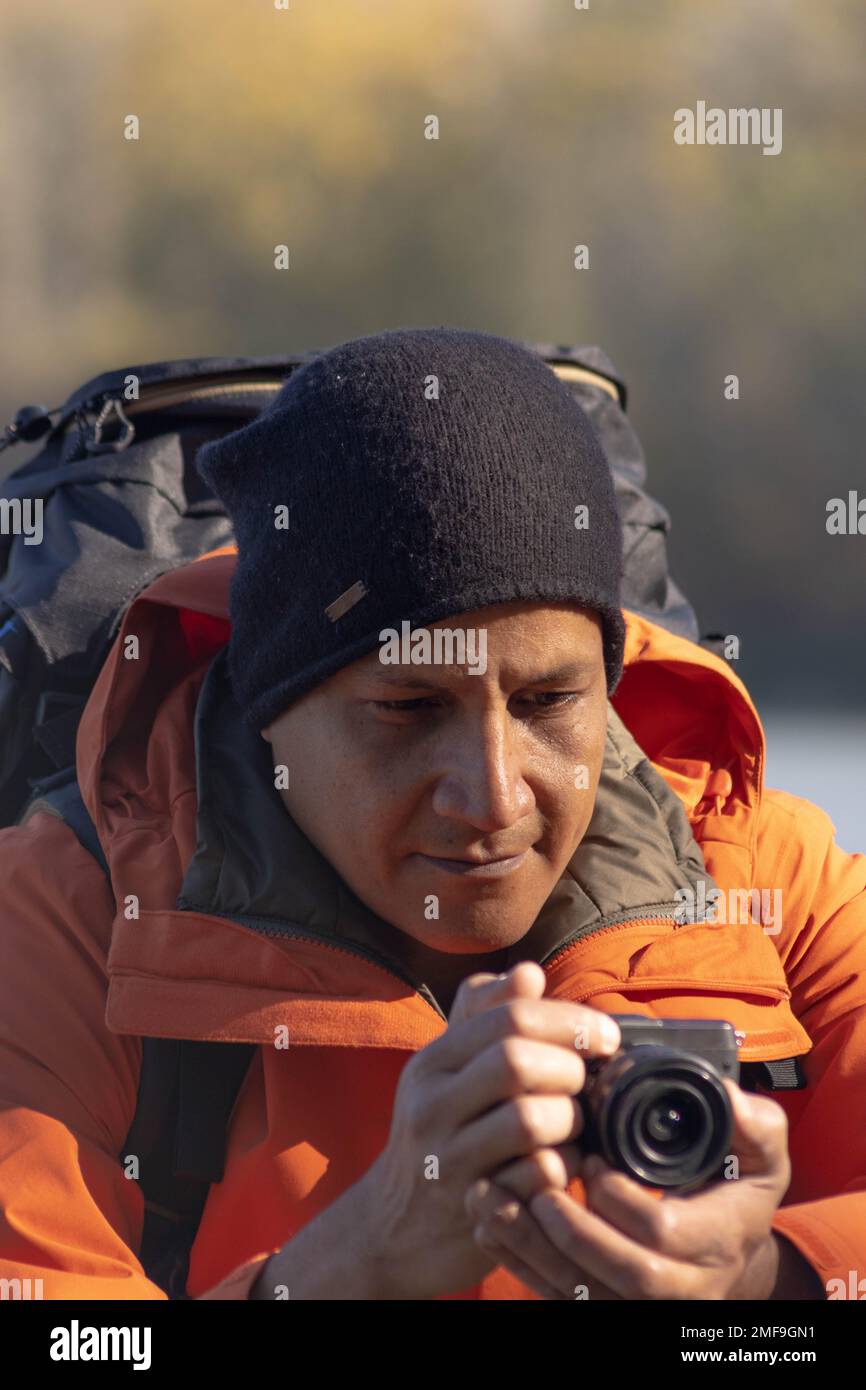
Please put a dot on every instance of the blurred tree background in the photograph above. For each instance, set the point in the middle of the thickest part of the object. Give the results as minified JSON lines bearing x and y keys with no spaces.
{"x":305,"y":126}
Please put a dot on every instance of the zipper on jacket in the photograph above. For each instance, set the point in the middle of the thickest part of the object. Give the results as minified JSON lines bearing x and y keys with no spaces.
{"x":665,"y":915}
{"x":273,"y":926}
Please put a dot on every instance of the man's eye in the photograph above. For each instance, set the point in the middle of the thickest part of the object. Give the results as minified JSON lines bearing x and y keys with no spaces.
{"x":556,"y":698}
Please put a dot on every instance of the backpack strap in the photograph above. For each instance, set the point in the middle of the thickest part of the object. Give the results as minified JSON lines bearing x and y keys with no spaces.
{"x":186,"y":1093}
{"x":784,"y":1074}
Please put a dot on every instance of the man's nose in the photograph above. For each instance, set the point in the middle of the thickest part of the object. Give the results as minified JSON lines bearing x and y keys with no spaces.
{"x":481,"y":781}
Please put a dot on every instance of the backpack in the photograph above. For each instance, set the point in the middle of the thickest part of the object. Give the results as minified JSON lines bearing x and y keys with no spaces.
{"x":121,"y":504}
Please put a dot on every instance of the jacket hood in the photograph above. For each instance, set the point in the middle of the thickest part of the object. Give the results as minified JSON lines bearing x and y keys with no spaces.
{"x":230,"y":922}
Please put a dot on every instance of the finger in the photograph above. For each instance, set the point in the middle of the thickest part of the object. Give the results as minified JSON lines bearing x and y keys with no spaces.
{"x":625,"y":1267}
{"x":506,"y":1259}
{"x":584,"y":1030}
{"x":510,"y":1067}
{"x":760,"y":1138}
{"x":683,"y":1228}
{"x":583,"y":1287}
{"x":502,"y":1221}
{"x":703,"y":1228}
{"x":707,"y":1230}
{"x":483,"y":991}
{"x":496,"y":1244}
{"x":513,"y":1130}
{"x":543,"y":1168}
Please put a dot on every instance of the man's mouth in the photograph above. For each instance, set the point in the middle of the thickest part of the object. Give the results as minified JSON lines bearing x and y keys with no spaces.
{"x":477,"y":868}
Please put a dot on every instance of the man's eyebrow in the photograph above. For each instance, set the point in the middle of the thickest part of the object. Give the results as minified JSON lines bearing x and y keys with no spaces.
{"x":407,"y":682}
{"x":570,"y":670}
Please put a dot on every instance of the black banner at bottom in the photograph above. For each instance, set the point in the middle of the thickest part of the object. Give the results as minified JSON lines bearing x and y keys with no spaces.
{"x":62,"y":1338}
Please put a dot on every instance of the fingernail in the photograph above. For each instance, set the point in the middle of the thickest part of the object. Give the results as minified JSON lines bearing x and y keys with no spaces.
{"x":609,"y":1033}
{"x":476,"y":1192}
{"x":507,"y":1213}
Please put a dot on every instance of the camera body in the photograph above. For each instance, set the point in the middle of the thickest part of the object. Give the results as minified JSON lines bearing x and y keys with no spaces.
{"x":657,"y":1109}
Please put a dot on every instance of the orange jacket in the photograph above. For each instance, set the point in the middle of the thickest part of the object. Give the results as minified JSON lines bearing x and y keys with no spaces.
{"x":82,"y":979}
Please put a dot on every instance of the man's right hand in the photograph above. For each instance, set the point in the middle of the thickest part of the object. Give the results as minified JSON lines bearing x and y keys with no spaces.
{"x":495,"y":1094}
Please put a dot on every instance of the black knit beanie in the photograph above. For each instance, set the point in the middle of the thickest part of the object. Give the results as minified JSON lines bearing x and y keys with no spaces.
{"x":426,"y":472}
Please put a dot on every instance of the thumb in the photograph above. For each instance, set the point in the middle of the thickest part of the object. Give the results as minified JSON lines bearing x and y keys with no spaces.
{"x":760,"y":1137}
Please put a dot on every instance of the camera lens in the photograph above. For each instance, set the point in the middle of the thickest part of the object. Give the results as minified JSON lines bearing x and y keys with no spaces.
{"x":671,"y":1123}
{"x":662,"y":1116}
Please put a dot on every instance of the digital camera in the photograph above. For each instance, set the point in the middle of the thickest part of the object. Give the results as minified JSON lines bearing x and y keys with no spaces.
{"x":657,"y":1109}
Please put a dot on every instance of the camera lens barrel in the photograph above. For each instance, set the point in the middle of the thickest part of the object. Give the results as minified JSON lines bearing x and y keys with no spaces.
{"x":660,"y":1115}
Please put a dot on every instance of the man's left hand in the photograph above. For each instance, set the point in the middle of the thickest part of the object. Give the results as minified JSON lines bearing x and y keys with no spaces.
{"x":630,"y":1243}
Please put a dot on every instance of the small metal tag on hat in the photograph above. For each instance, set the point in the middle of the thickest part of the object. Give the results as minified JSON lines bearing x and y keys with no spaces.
{"x":346,"y":600}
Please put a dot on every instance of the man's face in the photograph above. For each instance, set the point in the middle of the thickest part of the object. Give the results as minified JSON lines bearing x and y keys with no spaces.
{"x":400,"y":774}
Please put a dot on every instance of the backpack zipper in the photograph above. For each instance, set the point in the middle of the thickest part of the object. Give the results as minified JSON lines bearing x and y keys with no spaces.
{"x":568,"y":372}
{"x":153,"y":397}
{"x":161,"y":397}
{"x":157,"y":397}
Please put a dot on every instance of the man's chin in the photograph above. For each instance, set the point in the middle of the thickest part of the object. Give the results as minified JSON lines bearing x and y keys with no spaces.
{"x":478,"y":932}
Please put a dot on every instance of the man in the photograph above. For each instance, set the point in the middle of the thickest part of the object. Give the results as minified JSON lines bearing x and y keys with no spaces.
{"x":399,"y":794}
